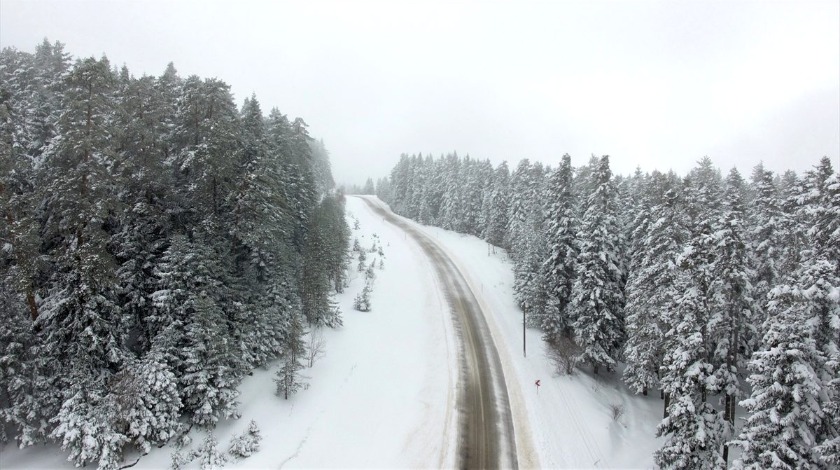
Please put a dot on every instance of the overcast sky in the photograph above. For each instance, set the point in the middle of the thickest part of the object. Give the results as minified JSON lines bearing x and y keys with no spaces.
{"x":653,"y":84}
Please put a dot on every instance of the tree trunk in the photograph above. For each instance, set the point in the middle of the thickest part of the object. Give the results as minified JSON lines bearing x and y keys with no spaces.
{"x":728,"y":415}
{"x":30,"y":300}
{"x":667,"y":404}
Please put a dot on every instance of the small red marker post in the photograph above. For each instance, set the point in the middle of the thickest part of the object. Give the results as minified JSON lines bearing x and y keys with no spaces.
{"x":537,"y":383}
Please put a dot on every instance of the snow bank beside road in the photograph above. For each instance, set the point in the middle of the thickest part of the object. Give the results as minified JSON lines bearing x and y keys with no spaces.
{"x":381,"y":397}
{"x":569,"y":421}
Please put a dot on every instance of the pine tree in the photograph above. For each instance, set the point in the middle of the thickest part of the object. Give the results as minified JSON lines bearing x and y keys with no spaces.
{"x":264,"y":225}
{"x":20,"y":151}
{"x":451,"y":207}
{"x":633,"y":202}
{"x":152,"y":244}
{"x":651,"y":284}
{"x":695,"y":430}
{"x":398,"y":185}
{"x":519,"y":208}
{"x":362,"y":300}
{"x":22,"y":373}
{"x":477,"y":174}
{"x":785,"y":405}
{"x":80,"y":320}
{"x":321,"y":170}
{"x":598,"y":293}
{"x":209,"y":456}
{"x":209,"y":383}
{"x":207,"y":130}
{"x":820,"y":279}
{"x":383,"y":189}
{"x":499,"y":204}
{"x":143,"y":405}
{"x":429,"y":197}
{"x":792,"y":198}
{"x":731,"y":321}
{"x":828,"y":216}
{"x":794,"y":401}
{"x":529,"y":285}
{"x":559,"y":268}
{"x":416,"y":188}
{"x":82,"y":426}
{"x":51,"y":67}
{"x":247,"y":444}
{"x":192,"y":331}
{"x":143,"y":121}
{"x":766,"y":222}
{"x":288,"y":378}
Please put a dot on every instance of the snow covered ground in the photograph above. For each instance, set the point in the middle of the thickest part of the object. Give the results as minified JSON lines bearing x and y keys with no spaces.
{"x":384,"y":393}
{"x":567,"y":422}
{"x":381,"y":397}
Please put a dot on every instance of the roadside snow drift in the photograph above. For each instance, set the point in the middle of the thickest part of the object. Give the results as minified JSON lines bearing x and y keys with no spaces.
{"x":382,"y":396}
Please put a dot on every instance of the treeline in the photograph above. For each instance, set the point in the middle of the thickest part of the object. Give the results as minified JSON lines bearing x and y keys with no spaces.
{"x":368,"y":188}
{"x":713,"y":290}
{"x":157,"y":243}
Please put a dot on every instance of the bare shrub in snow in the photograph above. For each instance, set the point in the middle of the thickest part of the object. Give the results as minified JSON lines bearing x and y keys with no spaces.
{"x":317,"y":346}
{"x":563,"y":354}
{"x":617,"y":410}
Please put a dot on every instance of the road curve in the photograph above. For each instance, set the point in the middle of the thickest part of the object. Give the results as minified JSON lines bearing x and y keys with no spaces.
{"x":485,"y":427}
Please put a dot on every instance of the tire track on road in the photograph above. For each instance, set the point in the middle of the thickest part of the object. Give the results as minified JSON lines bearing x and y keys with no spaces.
{"x":485,"y":429}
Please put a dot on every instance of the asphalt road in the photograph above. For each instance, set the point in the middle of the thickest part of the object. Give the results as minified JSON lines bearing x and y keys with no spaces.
{"x":485,"y":427}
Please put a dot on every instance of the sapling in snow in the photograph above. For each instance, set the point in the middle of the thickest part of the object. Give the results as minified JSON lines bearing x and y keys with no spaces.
{"x":362,"y":259}
{"x":209,"y":456}
{"x":362,"y":301}
{"x":247,"y":444}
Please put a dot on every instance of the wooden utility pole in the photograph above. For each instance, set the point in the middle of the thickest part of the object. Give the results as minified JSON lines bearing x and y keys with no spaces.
{"x":524,"y":352}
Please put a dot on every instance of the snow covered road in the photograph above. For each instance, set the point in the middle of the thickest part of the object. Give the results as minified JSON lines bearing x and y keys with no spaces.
{"x":486,"y":432}
{"x":569,"y":422}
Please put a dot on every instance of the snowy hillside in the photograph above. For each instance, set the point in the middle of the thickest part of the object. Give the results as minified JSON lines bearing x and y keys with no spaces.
{"x":383,"y":393}
{"x":381,"y":396}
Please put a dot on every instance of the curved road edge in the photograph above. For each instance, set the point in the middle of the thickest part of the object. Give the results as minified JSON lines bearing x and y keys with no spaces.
{"x":485,"y":426}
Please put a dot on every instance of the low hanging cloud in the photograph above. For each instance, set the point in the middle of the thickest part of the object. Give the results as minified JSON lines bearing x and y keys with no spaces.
{"x":654,"y":84}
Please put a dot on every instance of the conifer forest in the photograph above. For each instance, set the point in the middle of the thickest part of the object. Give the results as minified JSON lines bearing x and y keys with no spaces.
{"x":160,"y":242}
{"x":718,"y":292}
{"x":157,"y":243}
